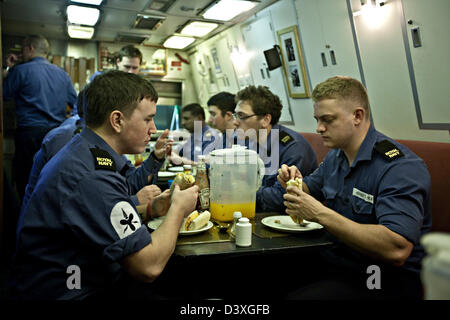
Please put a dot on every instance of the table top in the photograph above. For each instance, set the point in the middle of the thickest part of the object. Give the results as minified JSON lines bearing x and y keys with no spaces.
{"x":264,"y":241}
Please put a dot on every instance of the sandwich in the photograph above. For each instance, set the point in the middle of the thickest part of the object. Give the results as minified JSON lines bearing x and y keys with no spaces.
{"x":297,"y":182}
{"x":184,"y":180}
{"x":196,"y":220}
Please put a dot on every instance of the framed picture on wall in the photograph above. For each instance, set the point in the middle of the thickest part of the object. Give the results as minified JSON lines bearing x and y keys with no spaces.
{"x":215,"y":59}
{"x":294,"y":66}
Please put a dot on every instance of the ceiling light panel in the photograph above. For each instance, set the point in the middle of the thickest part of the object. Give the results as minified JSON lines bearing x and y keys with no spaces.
{"x":82,"y":15}
{"x":79,"y":32}
{"x":198,"y":28}
{"x":92,"y":2}
{"x":228,"y":9}
{"x":178,"y":42}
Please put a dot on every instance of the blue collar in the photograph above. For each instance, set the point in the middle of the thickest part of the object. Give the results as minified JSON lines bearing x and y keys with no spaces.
{"x":366,"y":148}
{"x":39,"y":59}
{"x":97,"y":141}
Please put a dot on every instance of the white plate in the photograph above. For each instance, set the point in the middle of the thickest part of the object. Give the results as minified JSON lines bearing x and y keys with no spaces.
{"x":155,"y":223}
{"x":176,"y":169}
{"x":285,"y":223}
{"x":165,"y":174}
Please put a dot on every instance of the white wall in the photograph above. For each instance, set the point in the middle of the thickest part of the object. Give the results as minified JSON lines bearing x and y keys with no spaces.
{"x":82,"y":49}
{"x":381,"y":50}
{"x":387,"y":78}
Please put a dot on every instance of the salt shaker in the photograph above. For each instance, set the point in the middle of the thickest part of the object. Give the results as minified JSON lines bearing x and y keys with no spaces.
{"x":236,"y":216}
{"x":244,"y":233}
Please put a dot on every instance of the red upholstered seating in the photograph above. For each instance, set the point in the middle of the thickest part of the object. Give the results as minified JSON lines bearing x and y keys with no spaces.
{"x":437,"y":158}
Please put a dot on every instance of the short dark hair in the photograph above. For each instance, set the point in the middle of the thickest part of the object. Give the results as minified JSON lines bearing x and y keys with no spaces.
{"x":81,"y":101}
{"x":262,"y":100}
{"x":115,"y":90}
{"x":224,"y":101}
{"x":129,"y":51}
{"x":195,"y":109}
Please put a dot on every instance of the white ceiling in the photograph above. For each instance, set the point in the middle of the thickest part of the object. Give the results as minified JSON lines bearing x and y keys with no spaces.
{"x":48,"y":17}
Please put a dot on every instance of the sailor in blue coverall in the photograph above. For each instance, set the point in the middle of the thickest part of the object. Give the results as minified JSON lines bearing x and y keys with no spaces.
{"x":377,"y":202}
{"x":256,"y":119}
{"x":81,"y":216}
{"x":41,"y":91}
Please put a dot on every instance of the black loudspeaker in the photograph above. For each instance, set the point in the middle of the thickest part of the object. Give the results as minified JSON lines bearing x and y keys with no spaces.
{"x":273,"y":58}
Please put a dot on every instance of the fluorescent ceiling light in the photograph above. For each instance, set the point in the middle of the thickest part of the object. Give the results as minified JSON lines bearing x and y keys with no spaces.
{"x":93,"y":2}
{"x":82,"y":15}
{"x":228,"y":9}
{"x":177,"y":42}
{"x":80,"y":32}
{"x":198,"y":28}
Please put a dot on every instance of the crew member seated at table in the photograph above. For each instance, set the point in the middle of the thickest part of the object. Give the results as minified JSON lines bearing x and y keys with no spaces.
{"x":137,"y":179}
{"x":377,"y":195}
{"x":221,"y":108}
{"x":129,"y":59}
{"x":256,"y":119}
{"x":81,"y":235}
{"x":203,"y":139}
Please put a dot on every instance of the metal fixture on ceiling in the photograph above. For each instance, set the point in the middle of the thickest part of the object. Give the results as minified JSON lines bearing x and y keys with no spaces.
{"x":148,"y":22}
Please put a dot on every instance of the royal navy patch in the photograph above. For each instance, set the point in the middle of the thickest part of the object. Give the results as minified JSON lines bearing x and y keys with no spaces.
{"x":388,"y":150}
{"x":103,"y":160}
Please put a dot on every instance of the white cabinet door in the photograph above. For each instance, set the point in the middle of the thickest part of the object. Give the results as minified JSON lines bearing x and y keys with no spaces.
{"x":313,"y":40}
{"x":327,"y":39}
{"x":200,"y":73}
{"x":259,"y":36}
{"x":430,"y":23}
{"x":339,"y":46}
{"x":225,"y":75}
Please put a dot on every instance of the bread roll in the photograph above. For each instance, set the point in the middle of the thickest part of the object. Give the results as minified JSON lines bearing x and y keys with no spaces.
{"x":196,"y":220}
{"x":184,"y":180}
{"x":297,"y":182}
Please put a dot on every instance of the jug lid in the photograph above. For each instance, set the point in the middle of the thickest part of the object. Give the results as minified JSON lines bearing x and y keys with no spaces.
{"x":240,"y":150}
{"x":434,"y":242}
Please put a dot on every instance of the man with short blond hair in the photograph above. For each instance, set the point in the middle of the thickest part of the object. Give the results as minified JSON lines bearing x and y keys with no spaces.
{"x":377,"y":201}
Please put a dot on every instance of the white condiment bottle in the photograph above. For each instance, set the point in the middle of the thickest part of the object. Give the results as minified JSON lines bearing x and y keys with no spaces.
{"x":244,"y":233}
{"x":236,"y":216}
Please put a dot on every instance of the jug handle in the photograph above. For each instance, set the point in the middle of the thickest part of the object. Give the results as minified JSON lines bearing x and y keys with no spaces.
{"x":261,"y":172}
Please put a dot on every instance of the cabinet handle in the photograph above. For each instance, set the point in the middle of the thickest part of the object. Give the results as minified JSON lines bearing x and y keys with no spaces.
{"x":268,"y":74}
{"x":417,"y":42}
{"x":324,"y":59}
{"x":262,"y":73}
{"x":333,"y":57}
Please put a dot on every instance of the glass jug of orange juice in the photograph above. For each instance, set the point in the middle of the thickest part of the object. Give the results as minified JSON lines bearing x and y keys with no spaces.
{"x":235,"y":175}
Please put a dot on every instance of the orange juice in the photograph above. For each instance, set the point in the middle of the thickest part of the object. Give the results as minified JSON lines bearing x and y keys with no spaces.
{"x":224,"y":211}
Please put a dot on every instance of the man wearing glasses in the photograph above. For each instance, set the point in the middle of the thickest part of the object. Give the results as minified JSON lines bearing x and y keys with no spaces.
{"x":256,"y":119}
